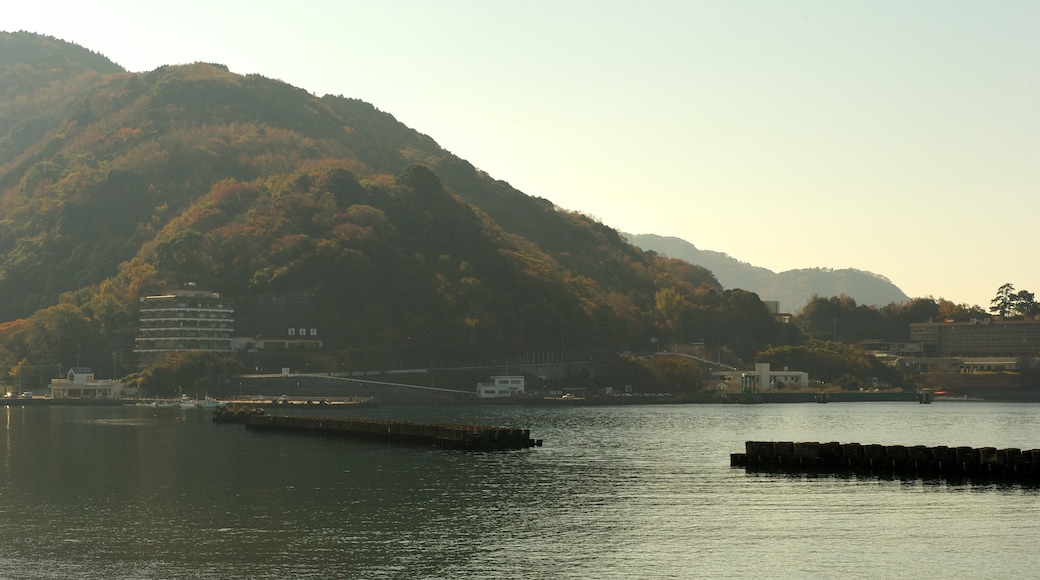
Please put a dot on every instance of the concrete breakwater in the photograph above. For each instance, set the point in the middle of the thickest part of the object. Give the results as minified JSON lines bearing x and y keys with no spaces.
{"x":466,"y":437}
{"x":917,"y":460}
{"x":236,"y":413}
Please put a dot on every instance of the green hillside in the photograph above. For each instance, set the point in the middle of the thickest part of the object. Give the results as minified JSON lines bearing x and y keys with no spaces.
{"x":41,"y":81}
{"x":304,"y":211}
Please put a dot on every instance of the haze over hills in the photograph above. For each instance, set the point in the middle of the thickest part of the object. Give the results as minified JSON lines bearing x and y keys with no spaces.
{"x":792,"y":288}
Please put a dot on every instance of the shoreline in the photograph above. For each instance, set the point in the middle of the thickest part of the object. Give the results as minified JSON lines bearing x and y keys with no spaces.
{"x":699,"y":399}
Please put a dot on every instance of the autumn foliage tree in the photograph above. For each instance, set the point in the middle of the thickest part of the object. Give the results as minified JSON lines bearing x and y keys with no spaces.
{"x":187,"y":373}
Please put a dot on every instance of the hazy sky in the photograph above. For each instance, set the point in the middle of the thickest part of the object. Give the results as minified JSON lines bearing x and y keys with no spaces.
{"x":901,"y":138}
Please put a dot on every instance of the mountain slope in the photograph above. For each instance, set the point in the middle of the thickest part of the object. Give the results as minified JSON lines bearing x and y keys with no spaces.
{"x":792,"y":288}
{"x":41,"y":80}
{"x":307,"y":211}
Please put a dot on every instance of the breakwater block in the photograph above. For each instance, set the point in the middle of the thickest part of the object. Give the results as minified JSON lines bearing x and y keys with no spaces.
{"x":236,"y":413}
{"x":900,"y":460}
{"x":464,"y":437}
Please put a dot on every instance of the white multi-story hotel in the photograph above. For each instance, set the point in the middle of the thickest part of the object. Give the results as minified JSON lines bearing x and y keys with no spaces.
{"x":185,"y":320}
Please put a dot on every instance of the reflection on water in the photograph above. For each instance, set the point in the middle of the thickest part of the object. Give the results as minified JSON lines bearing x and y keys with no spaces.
{"x":123,"y":421}
{"x":617,"y":492}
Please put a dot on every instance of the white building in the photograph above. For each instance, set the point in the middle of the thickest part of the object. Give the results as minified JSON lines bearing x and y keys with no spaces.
{"x":763,"y":378}
{"x":291,"y":342}
{"x":185,"y":320}
{"x":80,"y":384}
{"x":501,"y":387}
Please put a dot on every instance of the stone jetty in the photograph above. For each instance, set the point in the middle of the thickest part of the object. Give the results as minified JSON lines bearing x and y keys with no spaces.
{"x":236,"y":413}
{"x":900,"y":460}
{"x":465,"y":437}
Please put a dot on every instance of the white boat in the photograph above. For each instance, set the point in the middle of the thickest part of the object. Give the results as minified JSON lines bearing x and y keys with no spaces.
{"x":211,"y":403}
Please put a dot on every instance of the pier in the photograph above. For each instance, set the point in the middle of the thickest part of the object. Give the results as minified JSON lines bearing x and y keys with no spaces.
{"x":900,"y":460}
{"x":464,"y":437}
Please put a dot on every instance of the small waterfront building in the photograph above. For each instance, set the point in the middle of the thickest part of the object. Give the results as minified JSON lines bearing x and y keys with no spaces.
{"x":762,"y":378}
{"x":79,"y":383}
{"x":889,"y":351}
{"x":512,"y":386}
{"x":292,"y":341}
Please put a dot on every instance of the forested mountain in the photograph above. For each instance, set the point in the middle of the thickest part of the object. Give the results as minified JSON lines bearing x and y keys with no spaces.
{"x":793,"y":288}
{"x":303,"y":210}
{"x":41,"y":79}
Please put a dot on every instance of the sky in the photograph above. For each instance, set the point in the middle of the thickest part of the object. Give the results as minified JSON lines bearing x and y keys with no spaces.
{"x":901,"y":138}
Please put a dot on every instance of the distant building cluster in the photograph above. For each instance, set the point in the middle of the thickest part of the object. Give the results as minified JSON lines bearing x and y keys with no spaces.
{"x":976,"y":346}
{"x":192,"y":319}
{"x":978,"y":337}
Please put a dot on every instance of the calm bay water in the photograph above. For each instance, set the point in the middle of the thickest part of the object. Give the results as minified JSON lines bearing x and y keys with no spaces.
{"x":616,"y":492}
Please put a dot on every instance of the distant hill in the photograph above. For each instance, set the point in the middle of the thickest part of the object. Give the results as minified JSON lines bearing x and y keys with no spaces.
{"x":792,"y":288}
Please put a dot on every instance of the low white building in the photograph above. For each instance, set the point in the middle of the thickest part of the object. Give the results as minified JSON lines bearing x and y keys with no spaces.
{"x":762,"y":378}
{"x":501,"y":387}
{"x":80,"y":384}
{"x":248,"y":344}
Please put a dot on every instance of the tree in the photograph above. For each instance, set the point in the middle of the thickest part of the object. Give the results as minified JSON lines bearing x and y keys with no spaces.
{"x":1009,"y":303}
{"x":673,"y":374}
{"x":950,"y":310}
{"x":183,"y":255}
{"x":1025,"y":304}
{"x":670,"y":305}
{"x":187,"y":373}
{"x":1003,"y":304}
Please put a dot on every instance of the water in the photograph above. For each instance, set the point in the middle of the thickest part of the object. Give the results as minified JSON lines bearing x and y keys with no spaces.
{"x":616,"y":492}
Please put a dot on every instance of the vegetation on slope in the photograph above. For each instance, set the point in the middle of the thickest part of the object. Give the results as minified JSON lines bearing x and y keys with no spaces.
{"x":314,"y":212}
{"x":306,"y":211}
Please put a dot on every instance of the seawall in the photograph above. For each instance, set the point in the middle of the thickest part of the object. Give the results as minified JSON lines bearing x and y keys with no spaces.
{"x":916,"y":460}
{"x":465,"y":437}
